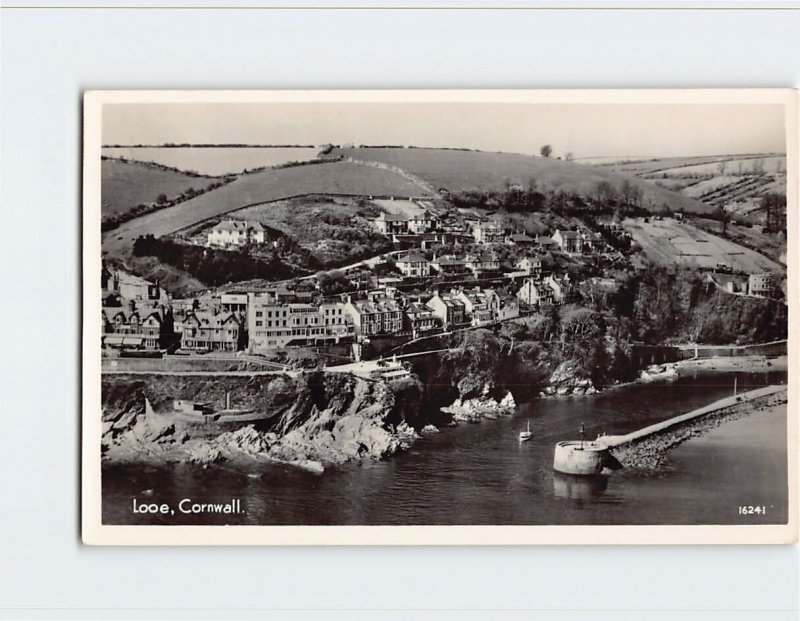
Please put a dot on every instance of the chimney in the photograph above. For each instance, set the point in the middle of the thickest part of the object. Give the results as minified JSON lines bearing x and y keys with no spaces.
{"x":227,"y":400}
{"x":131,"y":305}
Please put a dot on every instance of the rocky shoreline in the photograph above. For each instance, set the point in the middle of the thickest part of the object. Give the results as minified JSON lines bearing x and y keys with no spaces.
{"x":314,"y":420}
{"x":651,"y":452}
{"x":480,"y":408}
{"x":308,"y":422}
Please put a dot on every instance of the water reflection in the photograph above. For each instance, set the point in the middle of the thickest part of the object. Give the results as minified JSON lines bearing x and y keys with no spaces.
{"x":573,"y":487}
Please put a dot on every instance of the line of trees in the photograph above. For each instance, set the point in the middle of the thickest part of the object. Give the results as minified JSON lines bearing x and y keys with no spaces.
{"x":212,"y":266}
{"x":774,"y":206}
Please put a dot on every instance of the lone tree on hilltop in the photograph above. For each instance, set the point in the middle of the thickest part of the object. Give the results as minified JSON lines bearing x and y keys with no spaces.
{"x":546,"y":150}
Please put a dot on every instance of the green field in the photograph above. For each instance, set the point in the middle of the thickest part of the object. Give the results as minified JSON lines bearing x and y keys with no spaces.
{"x":735,"y":182}
{"x":670,"y":242}
{"x":647,"y":166}
{"x":125,"y":184}
{"x":275,"y":184}
{"x":457,"y":170}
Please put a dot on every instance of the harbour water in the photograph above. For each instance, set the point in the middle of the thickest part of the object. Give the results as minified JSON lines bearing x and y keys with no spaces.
{"x":215,"y":160}
{"x":480,"y":474}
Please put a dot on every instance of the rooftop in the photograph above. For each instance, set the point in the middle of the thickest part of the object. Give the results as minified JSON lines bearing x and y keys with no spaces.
{"x":449,"y":260}
{"x":238,"y":226}
{"x":413,"y":256}
{"x":520,"y":237}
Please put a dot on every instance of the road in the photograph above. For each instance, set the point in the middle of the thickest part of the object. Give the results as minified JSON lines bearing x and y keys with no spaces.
{"x":366,"y":367}
{"x":202,"y":373}
{"x":371,"y":262}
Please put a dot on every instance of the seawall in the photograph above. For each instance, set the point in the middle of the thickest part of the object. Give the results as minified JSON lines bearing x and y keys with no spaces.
{"x":647,"y":448}
{"x":641,"y":434}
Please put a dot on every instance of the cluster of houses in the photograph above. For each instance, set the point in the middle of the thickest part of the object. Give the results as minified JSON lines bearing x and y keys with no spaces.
{"x":414,"y":264}
{"x":140,"y":315}
{"x":411,"y":222}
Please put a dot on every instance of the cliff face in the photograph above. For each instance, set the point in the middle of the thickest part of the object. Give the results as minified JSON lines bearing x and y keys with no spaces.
{"x":309,"y":419}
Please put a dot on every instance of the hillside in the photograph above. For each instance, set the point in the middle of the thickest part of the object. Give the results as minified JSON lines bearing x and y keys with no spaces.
{"x":735,"y":182}
{"x":125,"y":184}
{"x":457,"y":170}
{"x":669,"y":242}
{"x":338,"y":177}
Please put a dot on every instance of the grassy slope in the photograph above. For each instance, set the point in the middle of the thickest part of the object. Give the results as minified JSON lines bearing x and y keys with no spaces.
{"x":464,"y":170}
{"x":668,"y":242}
{"x":126,"y":184}
{"x":670,"y":165}
{"x":270,"y":185}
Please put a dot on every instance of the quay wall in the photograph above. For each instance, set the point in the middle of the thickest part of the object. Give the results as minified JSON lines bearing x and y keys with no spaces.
{"x":635,"y":436}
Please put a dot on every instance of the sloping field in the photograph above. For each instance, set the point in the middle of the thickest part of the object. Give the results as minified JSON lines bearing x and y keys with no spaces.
{"x":738,"y":188}
{"x":670,"y":242}
{"x":697,"y":190}
{"x":771,"y":164}
{"x":126,"y":184}
{"x":642,"y":167}
{"x":458,"y":170}
{"x":328,"y":178}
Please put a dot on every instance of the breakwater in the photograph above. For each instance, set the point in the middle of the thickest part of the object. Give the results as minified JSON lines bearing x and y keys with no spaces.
{"x":647,"y":447}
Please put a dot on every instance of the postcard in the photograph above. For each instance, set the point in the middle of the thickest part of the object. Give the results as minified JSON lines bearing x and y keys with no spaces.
{"x":440,"y":317}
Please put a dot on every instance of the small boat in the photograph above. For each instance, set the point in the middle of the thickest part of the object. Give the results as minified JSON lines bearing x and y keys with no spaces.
{"x":524,"y":436}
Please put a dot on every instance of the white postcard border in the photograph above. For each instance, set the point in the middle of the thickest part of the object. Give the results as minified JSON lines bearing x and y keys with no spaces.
{"x":96,"y":533}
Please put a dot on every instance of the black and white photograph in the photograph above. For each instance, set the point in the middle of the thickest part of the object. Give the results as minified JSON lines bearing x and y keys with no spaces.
{"x":438,"y":309}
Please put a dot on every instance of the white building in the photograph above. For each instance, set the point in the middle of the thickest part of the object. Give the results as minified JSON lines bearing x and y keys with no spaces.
{"x":533,"y":293}
{"x":488,"y":233}
{"x":568,"y":241}
{"x":274,"y":324}
{"x":413,"y":264}
{"x":481,"y":305}
{"x":236,"y":233}
{"x":559,"y":286}
{"x":480,"y":263}
{"x":761,"y":285}
{"x":449,"y":309}
{"x":531,"y":265}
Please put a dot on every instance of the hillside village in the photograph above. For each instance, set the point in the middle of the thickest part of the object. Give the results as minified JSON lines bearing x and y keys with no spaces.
{"x":413,"y":291}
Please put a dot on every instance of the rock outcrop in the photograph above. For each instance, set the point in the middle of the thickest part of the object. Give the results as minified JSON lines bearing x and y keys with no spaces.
{"x":565,"y":381}
{"x":657,"y":372}
{"x":479,"y":408}
{"x":309,"y":421}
